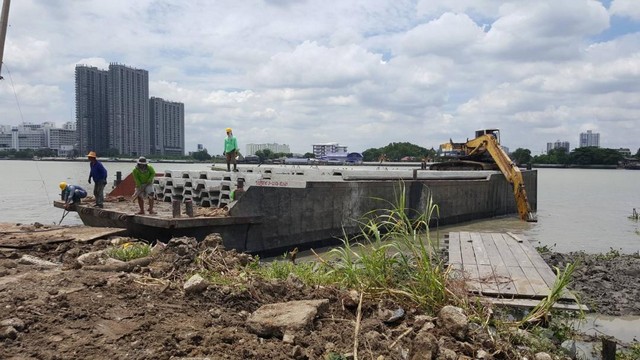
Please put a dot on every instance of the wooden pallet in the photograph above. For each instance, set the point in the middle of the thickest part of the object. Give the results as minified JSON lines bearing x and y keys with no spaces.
{"x":502,"y":266}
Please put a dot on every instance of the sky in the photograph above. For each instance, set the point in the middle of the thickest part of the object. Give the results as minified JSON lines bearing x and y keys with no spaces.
{"x":363,"y":73}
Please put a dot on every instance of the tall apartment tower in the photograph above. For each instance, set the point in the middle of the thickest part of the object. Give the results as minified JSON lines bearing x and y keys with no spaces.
{"x":167,"y":127}
{"x":589,"y":139}
{"x":129,"y":126}
{"x":92,"y":116}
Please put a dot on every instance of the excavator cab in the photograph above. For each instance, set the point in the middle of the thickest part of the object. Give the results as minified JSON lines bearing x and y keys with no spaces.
{"x":494,"y":132}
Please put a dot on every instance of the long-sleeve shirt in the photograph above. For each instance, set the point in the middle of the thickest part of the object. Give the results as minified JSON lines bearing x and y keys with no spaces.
{"x":143,"y":177}
{"x":230,"y":144}
{"x":71,"y":192}
{"x":98,"y":172}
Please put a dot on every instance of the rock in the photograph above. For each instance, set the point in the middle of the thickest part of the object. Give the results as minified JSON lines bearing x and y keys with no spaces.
{"x":542,"y":356}
{"x":427,"y":326}
{"x":420,"y":320}
{"x":350,"y":299}
{"x":298,"y":353}
{"x":91,"y":258}
{"x":289,"y":337}
{"x":33,"y":260}
{"x":481,"y":354}
{"x":275,"y":319}
{"x":295,"y":281}
{"x":112,"y":261}
{"x":8,"y":332}
{"x":396,"y":316}
{"x":425,"y":346}
{"x":13,"y":322}
{"x":454,"y":321}
{"x":195,"y":284}
{"x":446,"y":354}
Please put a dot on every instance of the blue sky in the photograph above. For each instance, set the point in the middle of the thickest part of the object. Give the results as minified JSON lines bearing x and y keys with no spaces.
{"x":363,"y":73}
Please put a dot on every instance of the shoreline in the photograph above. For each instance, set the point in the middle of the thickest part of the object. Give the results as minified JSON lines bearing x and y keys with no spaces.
{"x":77,"y":305}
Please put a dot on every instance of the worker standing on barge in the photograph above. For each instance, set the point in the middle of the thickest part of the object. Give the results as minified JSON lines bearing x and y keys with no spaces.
{"x":99,"y":175}
{"x":231,"y":150}
{"x":143,"y":175}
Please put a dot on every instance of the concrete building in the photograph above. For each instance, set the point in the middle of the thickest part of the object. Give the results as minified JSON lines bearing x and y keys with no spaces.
{"x":128,"y":104}
{"x":61,"y":140}
{"x":167,"y":127}
{"x":589,"y":139}
{"x":69,"y":125}
{"x":274,"y":148}
{"x":92,"y":114}
{"x":321,"y":150}
{"x":37,"y":136}
{"x":113,"y":113}
{"x":558,"y":145}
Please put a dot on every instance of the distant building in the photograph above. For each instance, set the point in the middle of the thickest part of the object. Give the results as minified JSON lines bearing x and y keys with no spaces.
{"x":113,"y":113}
{"x":92,"y":113}
{"x":200,"y":147}
{"x":589,"y":139}
{"x":167,"y":127}
{"x":558,"y":145}
{"x":321,"y":150}
{"x":274,"y":148}
{"x":69,"y":125}
{"x":37,"y":136}
{"x":624,"y":151}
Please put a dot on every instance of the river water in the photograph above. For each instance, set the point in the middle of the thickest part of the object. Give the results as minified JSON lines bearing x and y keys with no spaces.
{"x":578,"y":209}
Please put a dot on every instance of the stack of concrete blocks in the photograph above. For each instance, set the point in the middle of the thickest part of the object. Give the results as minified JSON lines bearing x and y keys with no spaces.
{"x":204,"y":188}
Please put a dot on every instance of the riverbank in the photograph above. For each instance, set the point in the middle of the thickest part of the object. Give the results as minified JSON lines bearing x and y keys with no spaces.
{"x":66,"y":299}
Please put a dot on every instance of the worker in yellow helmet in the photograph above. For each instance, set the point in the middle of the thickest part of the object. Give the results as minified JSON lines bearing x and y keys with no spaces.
{"x":71,"y":194}
{"x":230,"y":150}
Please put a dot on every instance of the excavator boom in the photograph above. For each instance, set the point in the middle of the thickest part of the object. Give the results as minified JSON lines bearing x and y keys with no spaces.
{"x":488,"y":143}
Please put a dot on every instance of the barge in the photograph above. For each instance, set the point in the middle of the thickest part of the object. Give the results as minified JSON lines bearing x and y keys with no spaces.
{"x":285,"y":207}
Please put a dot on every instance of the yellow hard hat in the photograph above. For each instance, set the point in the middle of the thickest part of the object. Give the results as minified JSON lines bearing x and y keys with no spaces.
{"x":63,"y":185}
{"x":228,"y":130}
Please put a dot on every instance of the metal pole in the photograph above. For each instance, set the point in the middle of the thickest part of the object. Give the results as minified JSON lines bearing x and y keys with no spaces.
{"x":4,"y":19}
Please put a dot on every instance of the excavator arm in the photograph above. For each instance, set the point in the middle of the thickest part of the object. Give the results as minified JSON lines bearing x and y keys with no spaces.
{"x":508,"y":168}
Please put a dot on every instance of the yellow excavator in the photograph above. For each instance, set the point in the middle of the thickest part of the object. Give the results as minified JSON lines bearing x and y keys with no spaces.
{"x":485,"y":153}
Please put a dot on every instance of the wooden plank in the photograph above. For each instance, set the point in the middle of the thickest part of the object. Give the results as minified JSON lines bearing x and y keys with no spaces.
{"x":469,"y":265}
{"x":455,"y":256}
{"x":523,"y":285}
{"x":478,"y":248}
{"x":536,"y":281}
{"x":530,"y":303}
{"x":503,"y":278}
{"x":487,"y":280}
{"x":505,"y":252}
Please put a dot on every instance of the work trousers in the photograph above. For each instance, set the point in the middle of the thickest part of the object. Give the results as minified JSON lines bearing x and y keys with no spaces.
{"x":231,"y":159}
{"x":98,"y":192}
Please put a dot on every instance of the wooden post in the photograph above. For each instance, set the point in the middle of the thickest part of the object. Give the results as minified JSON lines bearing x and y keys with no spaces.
{"x":188,"y":205}
{"x":608,"y":349}
{"x":175,"y":206}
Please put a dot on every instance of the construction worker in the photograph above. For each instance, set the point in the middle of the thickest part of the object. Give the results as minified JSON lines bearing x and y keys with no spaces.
{"x":71,"y":194}
{"x":230,"y":150}
{"x":99,"y":175}
{"x":143,"y":176}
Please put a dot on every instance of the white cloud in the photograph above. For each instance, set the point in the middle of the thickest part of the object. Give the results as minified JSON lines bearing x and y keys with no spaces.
{"x":625,"y":8}
{"x":363,"y":73}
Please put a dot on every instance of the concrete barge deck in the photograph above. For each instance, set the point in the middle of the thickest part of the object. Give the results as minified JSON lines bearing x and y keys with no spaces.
{"x":287,"y":207}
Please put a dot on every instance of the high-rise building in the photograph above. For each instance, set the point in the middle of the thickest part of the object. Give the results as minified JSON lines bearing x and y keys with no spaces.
{"x":589,"y":139}
{"x":274,"y":148}
{"x":92,"y":114}
{"x":558,"y":145}
{"x":128,"y":104}
{"x":167,"y":127}
{"x":113,"y":114}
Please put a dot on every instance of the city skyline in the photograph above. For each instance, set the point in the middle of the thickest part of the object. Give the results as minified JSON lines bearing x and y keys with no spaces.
{"x":363,"y":74}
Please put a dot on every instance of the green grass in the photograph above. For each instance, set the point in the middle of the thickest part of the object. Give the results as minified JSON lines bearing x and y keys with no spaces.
{"x":129,"y":251}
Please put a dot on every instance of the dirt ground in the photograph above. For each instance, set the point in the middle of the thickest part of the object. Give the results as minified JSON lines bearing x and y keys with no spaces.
{"x":92,"y":310}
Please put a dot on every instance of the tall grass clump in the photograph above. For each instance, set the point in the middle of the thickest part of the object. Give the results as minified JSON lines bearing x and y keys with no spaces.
{"x":394,"y":253}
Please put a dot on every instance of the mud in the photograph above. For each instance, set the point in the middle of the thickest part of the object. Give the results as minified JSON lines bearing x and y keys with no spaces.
{"x":73,"y":305}
{"x":607,"y":283}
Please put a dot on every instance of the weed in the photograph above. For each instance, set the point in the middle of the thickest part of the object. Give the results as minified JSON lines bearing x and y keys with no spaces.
{"x":129,"y":251}
{"x":610,"y":255}
{"x":631,"y":353}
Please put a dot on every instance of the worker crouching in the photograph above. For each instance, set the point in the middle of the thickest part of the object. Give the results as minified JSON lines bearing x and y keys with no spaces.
{"x":71,"y":194}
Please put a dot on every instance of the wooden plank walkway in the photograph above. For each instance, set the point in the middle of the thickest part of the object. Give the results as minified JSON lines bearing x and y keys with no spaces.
{"x":503,"y":266}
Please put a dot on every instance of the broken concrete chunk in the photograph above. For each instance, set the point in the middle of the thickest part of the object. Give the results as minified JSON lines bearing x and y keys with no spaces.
{"x":13,"y":322}
{"x":33,"y":260}
{"x":454,"y":321}
{"x":275,"y":319}
{"x":195,"y":284}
